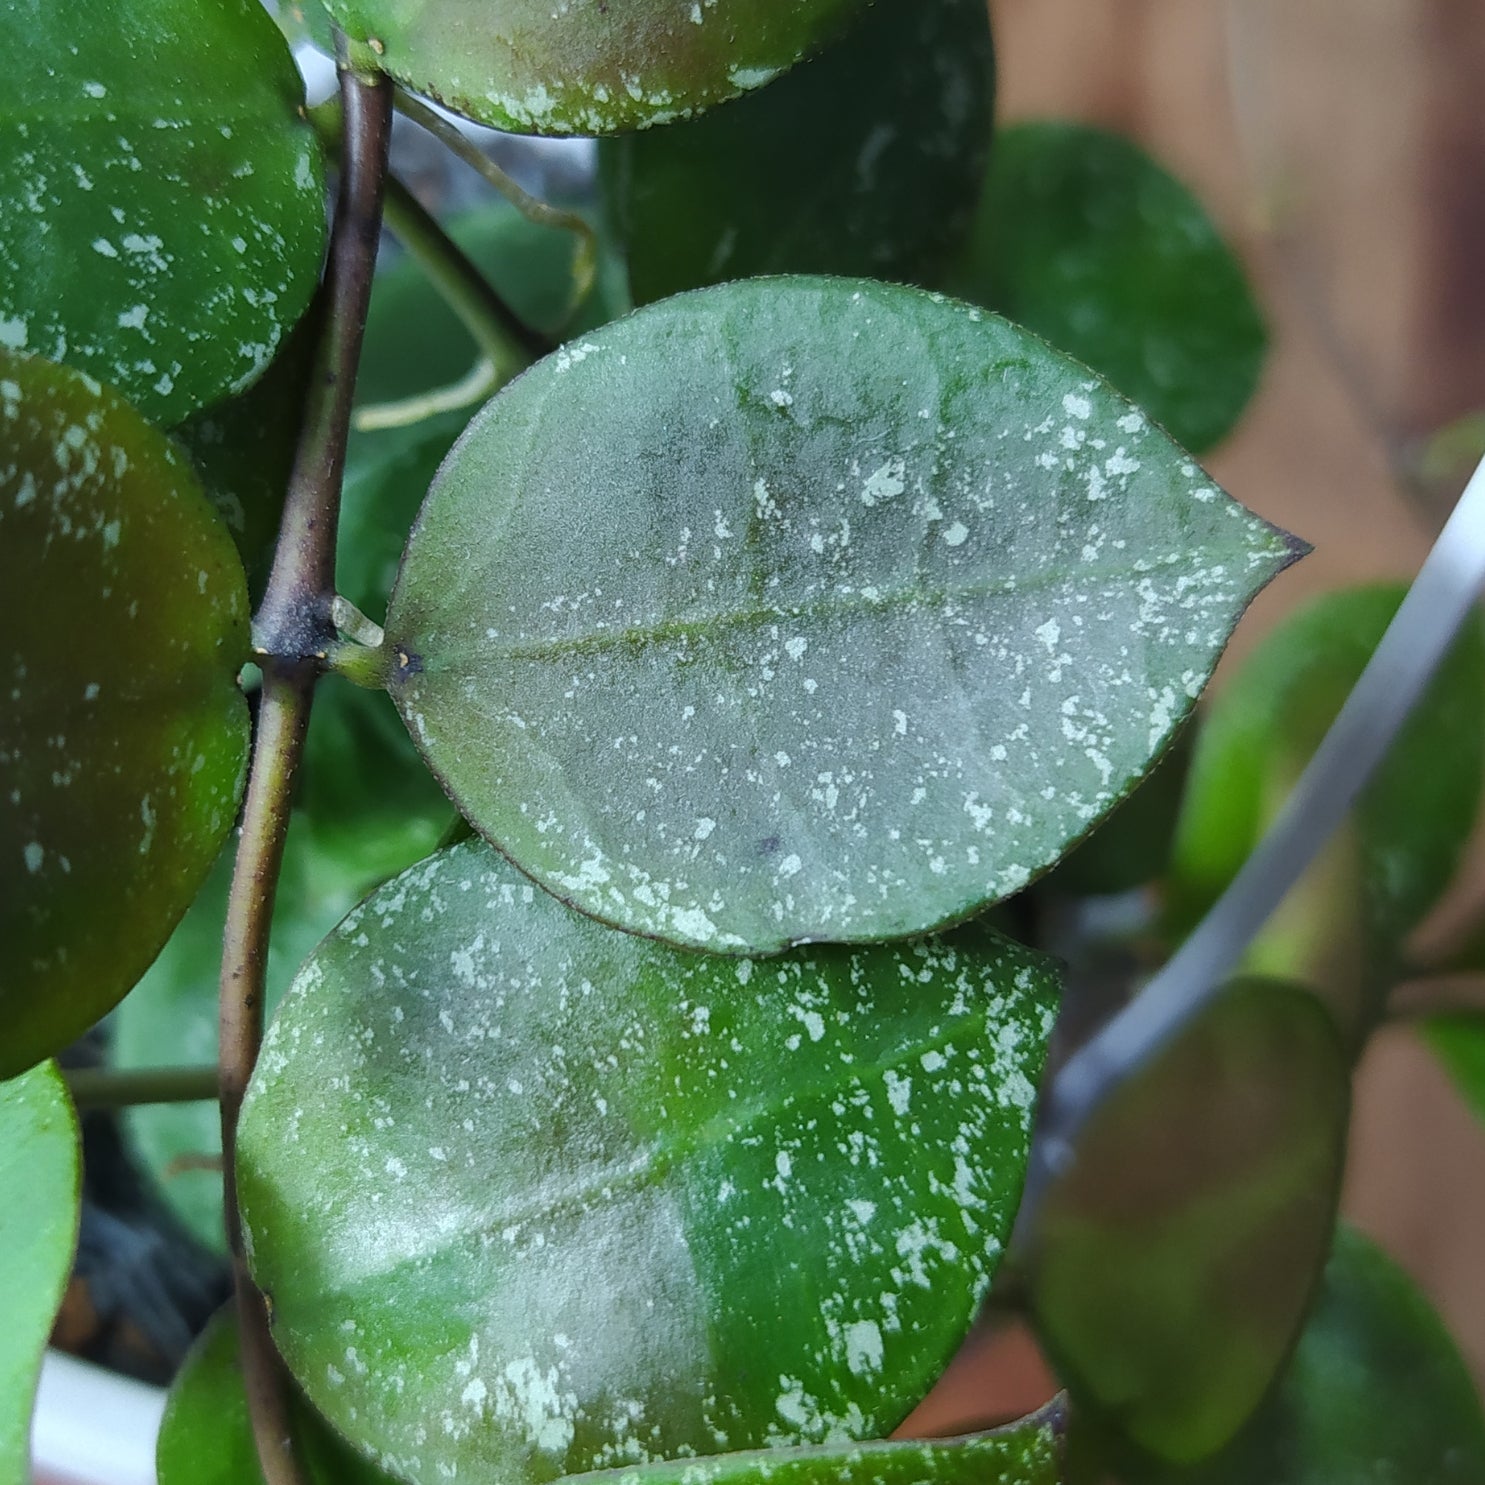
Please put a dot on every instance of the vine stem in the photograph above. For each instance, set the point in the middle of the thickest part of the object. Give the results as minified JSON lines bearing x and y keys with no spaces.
{"x":114,"y":1088}
{"x":292,"y":632}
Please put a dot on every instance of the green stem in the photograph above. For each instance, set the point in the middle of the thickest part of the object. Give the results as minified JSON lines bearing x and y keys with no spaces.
{"x":117,"y":1088}
{"x":293,"y":630}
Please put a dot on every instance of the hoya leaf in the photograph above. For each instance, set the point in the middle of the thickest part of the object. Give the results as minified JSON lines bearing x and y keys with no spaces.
{"x":897,"y":119}
{"x":162,"y":213}
{"x":594,"y":69}
{"x":533,"y":1197}
{"x":206,"y":1437}
{"x":1170,"y":1268}
{"x":1375,"y":1391}
{"x":849,"y":612}
{"x":170,"y":1018}
{"x":1345,"y":925}
{"x":1460,"y":1042}
{"x":40,"y":1176}
{"x":1083,"y":238}
{"x":1023,"y":1453}
{"x":123,"y":735}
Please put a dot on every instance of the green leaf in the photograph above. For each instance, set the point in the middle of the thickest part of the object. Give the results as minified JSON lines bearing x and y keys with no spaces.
{"x":596,"y":69}
{"x":123,"y":736}
{"x":170,"y":1018}
{"x":852,"y":609}
{"x":1375,"y":1392}
{"x":1169,"y":1270}
{"x":1344,"y":926}
{"x":162,"y":213}
{"x":896,"y":118}
{"x":414,"y":344}
{"x":1022,"y":1453}
{"x":1084,"y":239}
{"x":206,"y":1437}
{"x":40,"y":1189}
{"x":534,"y":1197}
{"x":243,"y":450}
{"x":1459,"y":1041}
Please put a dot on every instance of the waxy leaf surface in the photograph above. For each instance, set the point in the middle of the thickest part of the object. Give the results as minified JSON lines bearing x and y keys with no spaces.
{"x":897,"y":118}
{"x":162,"y":212}
{"x":123,"y":735}
{"x":536,"y":68}
{"x":1346,"y":923}
{"x":1083,"y":238}
{"x":40,"y":1190}
{"x":206,"y":1437}
{"x":533,"y":1197}
{"x":851,"y":610}
{"x":1375,"y":1392}
{"x":1170,"y":1268}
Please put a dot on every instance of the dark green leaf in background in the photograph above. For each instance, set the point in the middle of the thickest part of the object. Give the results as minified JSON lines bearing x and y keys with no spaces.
{"x":866,"y":160}
{"x":590,"y":69}
{"x":39,"y":1193}
{"x":1170,"y":1268}
{"x":1460,"y":1042}
{"x":1344,"y":926}
{"x":853,"y":608}
{"x":206,"y":1438}
{"x":534,"y":1197}
{"x":123,"y":735}
{"x":1083,"y":238}
{"x":162,"y":214}
{"x":1375,"y":1394}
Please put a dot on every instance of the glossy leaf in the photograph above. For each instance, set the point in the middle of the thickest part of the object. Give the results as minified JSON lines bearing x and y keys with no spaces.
{"x":1083,"y":238}
{"x":852,"y":609}
{"x":534,"y":1197}
{"x":1345,"y":924}
{"x":897,"y":119}
{"x":1375,"y":1392}
{"x":597,"y":69}
{"x":1460,"y":1042}
{"x":206,"y":1438}
{"x":162,"y":211}
{"x":40,"y":1176}
{"x":170,"y":1018}
{"x":123,"y":737}
{"x":1022,"y":1453}
{"x":1170,"y":1268}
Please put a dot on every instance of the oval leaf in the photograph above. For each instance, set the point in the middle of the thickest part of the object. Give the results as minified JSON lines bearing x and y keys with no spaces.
{"x":162,"y":212}
{"x":1376,"y":1391}
{"x":897,"y":117}
{"x":1169,"y":1269}
{"x":40,"y":1189}
{"x":1083,"y":238}
{"x":206,"y":1437}
{"x":546,"y":69}
{"x":849,"y":612}
{"x":123,"y":737}
{"x":533,"y":1197}
{"x":1345,"y":926}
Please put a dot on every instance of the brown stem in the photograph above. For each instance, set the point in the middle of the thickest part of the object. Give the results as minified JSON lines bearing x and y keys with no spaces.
{"x":292,"y":631}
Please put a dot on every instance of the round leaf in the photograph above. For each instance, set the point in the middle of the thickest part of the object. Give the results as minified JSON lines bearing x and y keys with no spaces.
{"x":1169,"y":1269}
{"x":534,"y":1197}
{"x":40,"y":1190}
{"x":123,"y":736}
{"x":897,"y":116}
{"x":1375,"y":1391}
{"x":850,"y":610}
{"x":595,"y":69}
{"x":1083,"y":238}
{"x":162,"y":212}
{"x":1347,"y":923}
{"x":206,"y":1437}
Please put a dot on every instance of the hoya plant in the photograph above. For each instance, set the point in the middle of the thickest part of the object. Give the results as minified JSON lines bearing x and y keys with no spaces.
{"x":658,"y":692}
